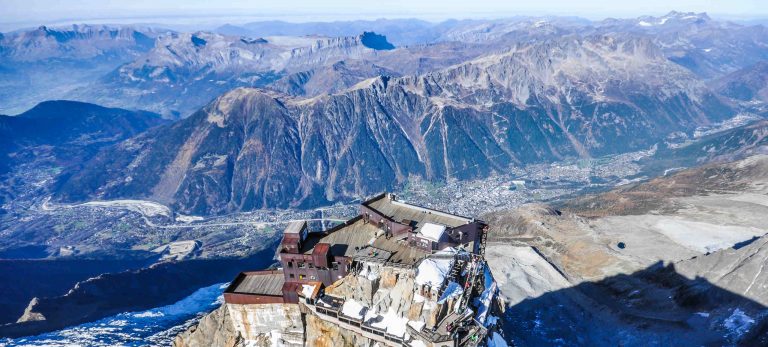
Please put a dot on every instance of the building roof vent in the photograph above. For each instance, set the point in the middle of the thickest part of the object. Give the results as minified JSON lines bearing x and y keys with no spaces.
{"x":432,"y":232}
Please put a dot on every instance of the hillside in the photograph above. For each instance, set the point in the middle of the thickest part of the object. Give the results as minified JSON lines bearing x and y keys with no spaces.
{"x":652,"y":262}
{"x":68,"y":130}
{"x":253,"y":148}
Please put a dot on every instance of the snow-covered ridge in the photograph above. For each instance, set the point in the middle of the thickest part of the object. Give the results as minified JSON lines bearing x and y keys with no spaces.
{"x":154,"y":327}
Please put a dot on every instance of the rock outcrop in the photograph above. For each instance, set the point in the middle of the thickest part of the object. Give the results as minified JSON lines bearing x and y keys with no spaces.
{"x":268,"y":324}
{"x":321,"y":333}
{"x":646,"y":263}
{"x":743,"y":271}
{"x":29,"y":313}
{"x":215,"y":329}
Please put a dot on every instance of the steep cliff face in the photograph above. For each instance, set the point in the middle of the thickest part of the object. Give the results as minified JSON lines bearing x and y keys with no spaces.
{"x":387,"y":291}
{"x":332,"y":78}
{"x":391,"y":298}
{"x":741,"y":271}
{"x":267,"y":325}
{"x":536,"y":102}
{"x":321,"y":333}
{"x":215,"y":329}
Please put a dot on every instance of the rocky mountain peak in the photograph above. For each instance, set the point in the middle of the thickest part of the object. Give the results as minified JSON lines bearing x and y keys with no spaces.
{"x":77,"y":42}
{"x":673,"y":18}
{"x":691,"y":16}
{"x":242,"y":105}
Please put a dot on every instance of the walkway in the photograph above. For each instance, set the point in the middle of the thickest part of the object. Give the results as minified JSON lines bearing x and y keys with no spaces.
{"x":353,"y":328}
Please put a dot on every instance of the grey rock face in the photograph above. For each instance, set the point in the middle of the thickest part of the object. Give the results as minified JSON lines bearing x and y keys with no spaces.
{"x":741,"y":271}
{"x":695,"y":41}
{"x":215,"y":329}
{"x":657,"y":289}
{"x":29,"y":314}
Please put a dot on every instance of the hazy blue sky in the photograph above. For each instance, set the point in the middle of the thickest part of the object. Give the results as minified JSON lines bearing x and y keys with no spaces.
{"x":21,"y":13}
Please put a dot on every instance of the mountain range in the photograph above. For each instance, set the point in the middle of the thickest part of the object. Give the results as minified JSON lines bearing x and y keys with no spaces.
{"x":253,"y":148}
{"x":48,"y":63}
{"x":279,"y":121}
{"x":175,"y":73}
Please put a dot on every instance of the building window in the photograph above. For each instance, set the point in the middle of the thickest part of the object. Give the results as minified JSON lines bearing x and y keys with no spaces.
{"x":312,"y":278}
{"x":302,"y":265}
{"x":311,"y":265}
{"x":290,"y":264}
{"x":336,"y":266}
{"x":291,"y":276}
{"x":301,"y":277}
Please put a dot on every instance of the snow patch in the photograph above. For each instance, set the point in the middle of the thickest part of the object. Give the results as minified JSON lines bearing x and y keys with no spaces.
{"x":148,"y":314}
{"x":738,"y":323}
{"x":353,"y":309}
{"x":307,"y":290}
{"x":155,"y":327}
{"x":417,"y":324}
{"x":452,"y":290}
{"x":432,"y":232}
{"x":369,"y":272}
{"x":432,"y":271}
{"x":491,"y":321}
{"x":484,"y":301}
{"x":496,"y":340}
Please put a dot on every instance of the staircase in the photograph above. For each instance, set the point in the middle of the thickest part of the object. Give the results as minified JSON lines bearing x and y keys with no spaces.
{"x":483,"y":238}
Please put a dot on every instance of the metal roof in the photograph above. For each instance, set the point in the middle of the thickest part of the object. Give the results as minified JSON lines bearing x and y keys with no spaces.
{"x":260,"y":282}
{"x":321,"y":249}
{"x":295,"y":227}
{"x":405,"y":213}
{"x":374,"y":254}
{"x":350,"y":238}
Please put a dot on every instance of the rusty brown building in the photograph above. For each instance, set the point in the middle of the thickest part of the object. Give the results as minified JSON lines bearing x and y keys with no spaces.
{"x":387,"y":230}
